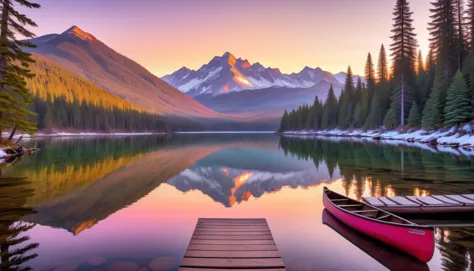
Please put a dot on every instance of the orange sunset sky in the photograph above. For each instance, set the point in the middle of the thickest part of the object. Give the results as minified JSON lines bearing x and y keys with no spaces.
{"x":164,"y":35}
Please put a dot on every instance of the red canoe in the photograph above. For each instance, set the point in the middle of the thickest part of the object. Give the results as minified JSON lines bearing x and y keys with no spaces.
{"x":409,"y":237}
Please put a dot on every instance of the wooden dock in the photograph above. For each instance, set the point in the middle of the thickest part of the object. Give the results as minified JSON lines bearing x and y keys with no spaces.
{"x":434,"y":204}
{"x":232,"y":244}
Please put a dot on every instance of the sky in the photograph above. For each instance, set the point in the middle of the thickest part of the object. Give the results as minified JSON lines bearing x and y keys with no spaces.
{"x":164,"y":35}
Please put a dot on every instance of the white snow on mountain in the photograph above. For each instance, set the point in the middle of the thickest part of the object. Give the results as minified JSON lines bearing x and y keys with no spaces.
{"x":227,"y":73}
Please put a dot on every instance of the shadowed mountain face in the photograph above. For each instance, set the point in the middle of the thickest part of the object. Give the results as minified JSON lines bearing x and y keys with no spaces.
{"x":270,"y":102}
{"x":82,"y":53}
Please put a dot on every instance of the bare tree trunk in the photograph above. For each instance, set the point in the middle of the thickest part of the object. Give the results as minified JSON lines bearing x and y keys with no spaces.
{"x":4,"y":38}
{"x":12,"y":133}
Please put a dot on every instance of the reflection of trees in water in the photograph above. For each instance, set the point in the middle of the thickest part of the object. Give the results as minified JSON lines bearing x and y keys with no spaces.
{"x":368,"y":167}
{"x":385,"y":170}
{"x":457,"y":248}
{"x":15,"y":248}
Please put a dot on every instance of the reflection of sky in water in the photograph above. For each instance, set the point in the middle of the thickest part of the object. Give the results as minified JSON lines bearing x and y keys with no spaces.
{"x":175,"y":186}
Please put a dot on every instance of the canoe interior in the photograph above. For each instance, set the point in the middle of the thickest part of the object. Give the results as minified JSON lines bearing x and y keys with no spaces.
{"x":362,"y":209}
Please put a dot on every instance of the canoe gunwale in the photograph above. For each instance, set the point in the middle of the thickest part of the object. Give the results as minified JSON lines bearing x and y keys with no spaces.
{"x":411,"y":225}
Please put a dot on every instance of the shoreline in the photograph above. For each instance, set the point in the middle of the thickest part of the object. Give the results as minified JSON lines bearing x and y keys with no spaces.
{"x":452,"y":141}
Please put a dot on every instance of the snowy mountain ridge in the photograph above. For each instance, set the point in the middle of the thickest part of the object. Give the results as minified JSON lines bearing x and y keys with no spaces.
{"x":226,"y":73}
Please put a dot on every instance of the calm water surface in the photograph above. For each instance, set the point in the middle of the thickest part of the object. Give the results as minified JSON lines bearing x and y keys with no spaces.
{"x":131,"y":203}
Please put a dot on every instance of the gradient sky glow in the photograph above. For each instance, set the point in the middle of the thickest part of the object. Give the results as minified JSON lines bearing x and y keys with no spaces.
{"x":164,"y":35}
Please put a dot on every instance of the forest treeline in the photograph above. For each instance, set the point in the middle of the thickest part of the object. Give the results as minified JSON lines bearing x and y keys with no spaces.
{"x":430,"y":93}
{"x":65,"y":101}
{"x":36,"y":93}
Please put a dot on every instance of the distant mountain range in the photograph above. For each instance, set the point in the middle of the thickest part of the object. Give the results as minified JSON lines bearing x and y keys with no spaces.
{"x":226,"y":73}
{"x":85,"y":55}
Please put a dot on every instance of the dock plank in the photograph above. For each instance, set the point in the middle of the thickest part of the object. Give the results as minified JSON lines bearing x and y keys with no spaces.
{"x":430,"y":201}
{"x":387,"y":202}
{"x":459,"y":199}
{"x":469,"y":196}
{"x":404,"y":201}
{"x":228,"y":233}
{"x":232,"y":244}
{"x":234,"y":237}
{"x":233,"y":263}
{"x":231,"y":269}
{"x":231,"y":254}
{"x":446,"y":200}
{"x":232,"y":247}
{"x":373,"y":201}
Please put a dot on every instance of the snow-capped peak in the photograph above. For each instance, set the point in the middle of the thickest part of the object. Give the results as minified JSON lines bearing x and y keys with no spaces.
{"x":227,"y":73}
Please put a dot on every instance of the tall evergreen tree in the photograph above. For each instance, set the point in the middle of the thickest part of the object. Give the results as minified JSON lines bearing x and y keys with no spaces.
{"x":461,"y":46}
{"x":420,"y":65}
{"x":370,"y":76}
{"x":346,"y":101}
{"x":14,"y":68}
{"x":458,"y":102}
{"x":404,"y":58}
{"x":443,"y":45}
{"x":433,"y":113}
{"x":382,"y":66}
{"x":443,"y":40}
{"x":329,"y":119}
{"x":414,"y":117}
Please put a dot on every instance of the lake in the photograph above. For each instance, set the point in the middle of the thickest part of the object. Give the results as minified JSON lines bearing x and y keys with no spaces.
{"x":131,"y":203}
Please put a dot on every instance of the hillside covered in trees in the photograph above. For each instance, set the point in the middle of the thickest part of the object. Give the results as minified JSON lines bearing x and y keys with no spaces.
{"x":431,"y":93}
{"x":63,"y":100}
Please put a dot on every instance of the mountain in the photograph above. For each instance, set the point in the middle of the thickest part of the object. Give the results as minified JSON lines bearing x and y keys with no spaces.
{"x":269,"y":102}
{"x":227,"y":73}
{"x":82,"y":53}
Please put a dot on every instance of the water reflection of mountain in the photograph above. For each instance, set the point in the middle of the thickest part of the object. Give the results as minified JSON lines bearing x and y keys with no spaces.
{"x":83,"y":207}
{"x":233,"y":175}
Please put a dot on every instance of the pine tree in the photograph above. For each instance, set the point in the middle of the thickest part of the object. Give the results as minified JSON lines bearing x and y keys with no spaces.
{"x":358,"y":115}
{"x":420,"y":66}
{"x":284,"y":121}
{"x":443,"y":40}
{"x":346,"y":101}
{"x":390,"y":120}
{"x":370,"y":76}
{"x":404,"y":58}
{"x":458,"y":102}
{"x":414,"y":117}
{"x":329,"y":118}
{"x":461,"y":47}
{"x":433,"y":113}
{"x":382,"y":66}
{"x":14,"y":68}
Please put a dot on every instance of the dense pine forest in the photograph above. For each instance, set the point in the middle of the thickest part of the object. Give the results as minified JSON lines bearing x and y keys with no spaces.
{"x":414,"y":92}
{"x":65,"y":101}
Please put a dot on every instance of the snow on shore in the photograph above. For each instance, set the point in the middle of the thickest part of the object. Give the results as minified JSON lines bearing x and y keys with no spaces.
{"x":64,"y":134}
{"x":453,"y":141}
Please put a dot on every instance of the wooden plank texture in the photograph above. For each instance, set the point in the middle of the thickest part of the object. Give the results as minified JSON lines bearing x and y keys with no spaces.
{"x":231,"y":254}
{"x":446,"y":200}
{"x":232,"y":247}
{"x":230,"y":269}
{"x":373,"y":201}
{"x":235,"y":237}
{"x":387,"y":201}
{"x":233,"y":263}
{"x":404,"y":201}
{"x":232,"y":244}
